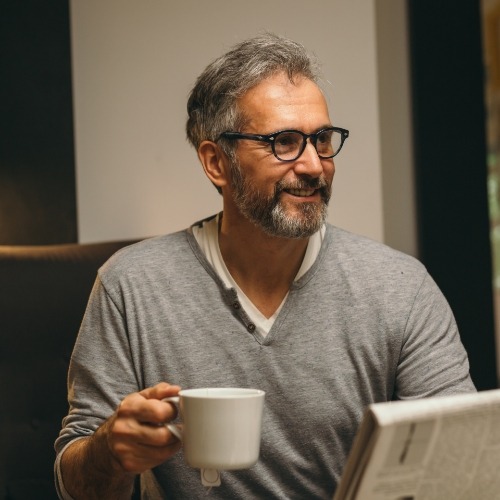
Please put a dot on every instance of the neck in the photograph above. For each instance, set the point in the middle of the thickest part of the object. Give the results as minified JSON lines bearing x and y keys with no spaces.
{"x":264,"y":266}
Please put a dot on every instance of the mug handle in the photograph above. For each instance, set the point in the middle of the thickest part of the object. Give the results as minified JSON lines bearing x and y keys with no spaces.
{"x":174,"y":429}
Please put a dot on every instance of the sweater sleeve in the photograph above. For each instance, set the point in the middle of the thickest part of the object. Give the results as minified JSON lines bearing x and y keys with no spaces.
{"x":101,"y":371}
{"x":433,"y":360}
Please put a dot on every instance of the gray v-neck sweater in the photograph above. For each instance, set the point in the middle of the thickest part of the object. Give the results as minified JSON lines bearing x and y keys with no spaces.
{"x":364,"y":324}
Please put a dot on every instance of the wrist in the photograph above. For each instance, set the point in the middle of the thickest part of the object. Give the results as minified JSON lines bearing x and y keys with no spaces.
{"x":90,"y":469}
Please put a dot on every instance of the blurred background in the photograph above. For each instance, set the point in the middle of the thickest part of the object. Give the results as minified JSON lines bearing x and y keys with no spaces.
{"x":92,"y":143}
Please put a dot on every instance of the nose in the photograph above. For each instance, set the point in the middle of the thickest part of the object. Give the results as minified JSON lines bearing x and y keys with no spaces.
{"x":309,"y":163}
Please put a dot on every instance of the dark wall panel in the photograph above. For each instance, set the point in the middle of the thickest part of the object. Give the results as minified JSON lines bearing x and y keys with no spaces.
{"x":451,"y":169}
{"x":37,"y":174}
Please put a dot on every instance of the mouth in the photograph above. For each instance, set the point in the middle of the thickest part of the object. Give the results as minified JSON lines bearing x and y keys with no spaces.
{"x":307,"y":190}
{"x":301,"y":192}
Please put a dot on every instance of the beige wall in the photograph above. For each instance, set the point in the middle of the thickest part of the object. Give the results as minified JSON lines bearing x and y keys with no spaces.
{"x":393,"y":68}
{"x":134,"y":63}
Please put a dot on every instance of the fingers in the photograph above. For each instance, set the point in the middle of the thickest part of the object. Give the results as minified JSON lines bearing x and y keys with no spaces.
{"x":146,"y":406}
{"x":147,"y":411}
{"x":137,"y":452}
{"x":137,"y":437}
{"x":143,"y":435}
{"x":160,"y":391}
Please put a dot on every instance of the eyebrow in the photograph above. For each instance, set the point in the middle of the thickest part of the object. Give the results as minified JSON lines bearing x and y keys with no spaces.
{"x":321,"y":127}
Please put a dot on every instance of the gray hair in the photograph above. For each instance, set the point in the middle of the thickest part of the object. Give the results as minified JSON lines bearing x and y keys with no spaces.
{"x":212,"y":104}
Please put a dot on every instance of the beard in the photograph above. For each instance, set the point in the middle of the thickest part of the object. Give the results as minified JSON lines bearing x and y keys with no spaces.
{"x":271,"y":215}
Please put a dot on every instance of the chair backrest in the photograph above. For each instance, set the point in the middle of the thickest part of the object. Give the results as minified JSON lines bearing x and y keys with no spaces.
{"x":43,"y":295}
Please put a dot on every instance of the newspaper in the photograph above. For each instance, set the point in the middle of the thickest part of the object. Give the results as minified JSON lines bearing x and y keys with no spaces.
{"x":430,"y":449}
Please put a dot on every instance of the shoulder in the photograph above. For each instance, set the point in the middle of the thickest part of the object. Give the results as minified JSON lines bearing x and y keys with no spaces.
{"x":150,"y":249}
{"x":150,"y":258}
{"x":372,"y":261}
{"x":362,"y":249}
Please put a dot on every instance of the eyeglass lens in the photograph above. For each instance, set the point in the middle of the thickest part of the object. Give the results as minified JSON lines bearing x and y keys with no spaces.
{"x":289,"y":145}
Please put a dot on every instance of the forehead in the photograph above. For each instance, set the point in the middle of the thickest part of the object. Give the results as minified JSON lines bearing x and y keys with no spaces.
{"x":277,"y":103}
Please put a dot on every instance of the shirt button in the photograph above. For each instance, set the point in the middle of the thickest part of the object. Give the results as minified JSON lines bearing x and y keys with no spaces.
{"x":251,"y":327}
{"x":236,"y":304}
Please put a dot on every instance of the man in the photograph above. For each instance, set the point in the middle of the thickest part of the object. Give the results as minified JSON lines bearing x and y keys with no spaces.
{"x":264,"y":295}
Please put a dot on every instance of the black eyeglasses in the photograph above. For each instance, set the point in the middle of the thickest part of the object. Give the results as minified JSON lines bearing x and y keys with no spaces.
{"x":288,"y":145}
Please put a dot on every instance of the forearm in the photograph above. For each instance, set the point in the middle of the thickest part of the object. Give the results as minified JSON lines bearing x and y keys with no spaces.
{"x":89,"y":470}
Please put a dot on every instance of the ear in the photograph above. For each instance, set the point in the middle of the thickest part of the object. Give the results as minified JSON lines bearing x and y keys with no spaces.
{"x":215,"y":163}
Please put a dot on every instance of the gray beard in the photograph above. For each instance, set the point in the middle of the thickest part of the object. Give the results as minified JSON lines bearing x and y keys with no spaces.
{"x":268,"y":213}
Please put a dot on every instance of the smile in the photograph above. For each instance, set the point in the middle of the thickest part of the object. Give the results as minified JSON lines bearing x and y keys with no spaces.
{"x":301,"y":192}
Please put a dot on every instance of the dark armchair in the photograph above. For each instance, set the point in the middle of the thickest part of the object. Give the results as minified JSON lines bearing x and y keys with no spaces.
{"x":43,"y":294}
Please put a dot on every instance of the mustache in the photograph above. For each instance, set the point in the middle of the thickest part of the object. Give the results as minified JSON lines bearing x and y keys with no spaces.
{"x":313,"y":183}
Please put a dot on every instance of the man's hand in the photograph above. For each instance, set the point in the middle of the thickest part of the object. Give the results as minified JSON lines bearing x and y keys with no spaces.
{"x":131,"y":441}
{"x":136,"y":436}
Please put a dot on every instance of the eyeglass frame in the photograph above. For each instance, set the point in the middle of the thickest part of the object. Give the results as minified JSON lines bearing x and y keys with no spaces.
{"x":270,"y":139}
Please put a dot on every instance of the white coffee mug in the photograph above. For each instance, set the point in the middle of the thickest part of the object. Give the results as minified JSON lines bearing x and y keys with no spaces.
{"x":221,"y":427}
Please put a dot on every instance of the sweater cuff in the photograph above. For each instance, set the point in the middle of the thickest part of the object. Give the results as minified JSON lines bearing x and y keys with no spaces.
{"x":61,"y":490}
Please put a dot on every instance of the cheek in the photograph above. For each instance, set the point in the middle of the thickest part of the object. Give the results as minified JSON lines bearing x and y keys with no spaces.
{"x":330,"y":171}
{"x":267,"y":177}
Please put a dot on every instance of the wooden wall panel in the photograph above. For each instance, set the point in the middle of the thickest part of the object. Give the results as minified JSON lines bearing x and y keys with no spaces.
{"x":37,"y":171}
